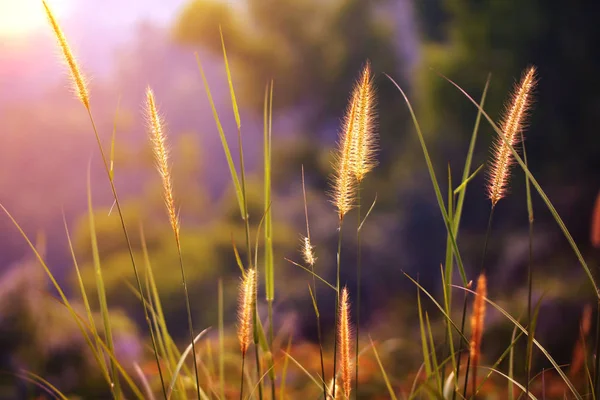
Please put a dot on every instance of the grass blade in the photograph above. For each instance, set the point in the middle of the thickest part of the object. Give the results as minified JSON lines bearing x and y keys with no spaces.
{"x":232,"y":170}
{"x":180,"y":363}
{"x":100,"y":287}
{"x":385,"y":376}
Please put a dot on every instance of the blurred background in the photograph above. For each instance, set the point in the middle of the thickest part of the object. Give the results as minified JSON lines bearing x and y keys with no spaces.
{"x":313,"y":50}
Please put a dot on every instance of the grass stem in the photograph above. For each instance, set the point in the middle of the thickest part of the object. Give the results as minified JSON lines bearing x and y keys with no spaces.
{"x":129,"y":247}
{"x":337,"y":301}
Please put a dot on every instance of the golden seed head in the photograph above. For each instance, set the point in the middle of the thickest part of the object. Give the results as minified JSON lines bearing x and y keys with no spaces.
{"x":161,"y":156}
{"x":344,"y":183}
{"x":245,"y":308}
{"x":77,"y":78}
{"x":364,"y":143}
{"x":308,"y":251}
{"x":512,"y":124}
{"x":477,"y":319}
{"x":344,"y":338}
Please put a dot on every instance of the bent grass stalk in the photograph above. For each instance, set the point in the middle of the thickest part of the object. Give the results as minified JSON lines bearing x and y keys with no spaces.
{"x":83,"y":95}
{"x":310,"y":259}
{"x":161,"y":155}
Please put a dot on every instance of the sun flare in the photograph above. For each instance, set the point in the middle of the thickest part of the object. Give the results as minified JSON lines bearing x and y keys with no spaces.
{"x":22,"y":17}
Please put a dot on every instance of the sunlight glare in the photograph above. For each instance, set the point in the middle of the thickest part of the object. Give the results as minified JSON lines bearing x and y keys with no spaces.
{"x":23,"y":17}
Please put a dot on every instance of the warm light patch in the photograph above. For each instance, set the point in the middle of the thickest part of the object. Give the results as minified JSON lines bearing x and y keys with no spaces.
{"x":21,"y":17}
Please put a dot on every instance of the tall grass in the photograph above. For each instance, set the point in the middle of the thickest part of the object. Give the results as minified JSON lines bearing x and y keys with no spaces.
{"x":353,"y":159}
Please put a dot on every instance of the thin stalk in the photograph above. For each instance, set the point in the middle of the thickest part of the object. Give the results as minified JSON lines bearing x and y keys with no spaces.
{"x":529,"y":274}
{"x":460,"y":345}
{"x":271,"y":335}
{"x":249,"y":252}
{"x":337,"y":301}
{"x":242,"y":377}
{"x":312,"y":267}
{"x":358,"y":276}
{"x":597,"y":364}
{"x":222,"y":343}
{"x":129,"y":247}
{"x":189,"y":314}
{"x":258,"y":367}
{"x":481,"y":268}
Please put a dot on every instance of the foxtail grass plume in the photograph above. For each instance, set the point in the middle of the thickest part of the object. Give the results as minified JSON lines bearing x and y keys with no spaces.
{"x":477,"y":319}
{"x":364,"y":143}
{"x":344,"y":338}
{"x":344,"y":183}
{"x":308,"y":253}
{"x":512,"y":124}
{"x":161,"y":155}
{"x":77,"y":78}
{"x":595,"y":234}
{"x":246,"y":305}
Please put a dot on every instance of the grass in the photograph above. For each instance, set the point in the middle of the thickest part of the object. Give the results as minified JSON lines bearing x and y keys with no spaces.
{"x":269,"y":375}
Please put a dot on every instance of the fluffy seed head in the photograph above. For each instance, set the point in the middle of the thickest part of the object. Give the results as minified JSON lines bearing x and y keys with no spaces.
{"x":364,"y":143}
{"x":77,"y":78}
{"x":308,"y":251}
{"x":477,"y":319}
{"x":512,"y":124}
{"x":161,"y":156}
{"x":246,"y":305}
{"x":343,"y":182}
{"x":344,"y":338}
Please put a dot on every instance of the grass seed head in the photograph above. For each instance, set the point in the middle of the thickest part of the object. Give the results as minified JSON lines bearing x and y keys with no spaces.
{"x":78,"y":80}
{"x":308,"y":251}
{"x":364,"y":143}
{"x":513,"y":123}
{"x":245,"y":307}
{"x":345,"y":339}
{"x":477,"y":319}
{"x":161,"y":155}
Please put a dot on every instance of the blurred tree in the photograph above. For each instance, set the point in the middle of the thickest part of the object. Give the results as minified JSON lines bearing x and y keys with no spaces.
{"x":313,"y":50}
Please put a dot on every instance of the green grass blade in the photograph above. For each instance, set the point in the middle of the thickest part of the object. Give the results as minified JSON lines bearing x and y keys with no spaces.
{"x":517,"y":384}
{"x":446,"y":316}
{"x":44,"y":384}
{"x":61,"y":293}
{"x":100,"y":287}
{"x":368,"y":213}
{"x":462,"y":187}
{"x":308,"y":374}
{"x":511,"y":365}
{"x":538,"y":345}
{"x":111,"y":173}
{"x":424,"y":343}
{"x":84,"y":296}
{"x":232,"y":170}
{"x":381,"y":367}
{"x":284,"y":370}
{"x":236,"y":112}
{"x":434,"y":363}
{"x":469,"y":159}
{"x":434,"y":181}
{"x":311,"y":272}
{"x":269,"y":262}
{"x":180,"y":363}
